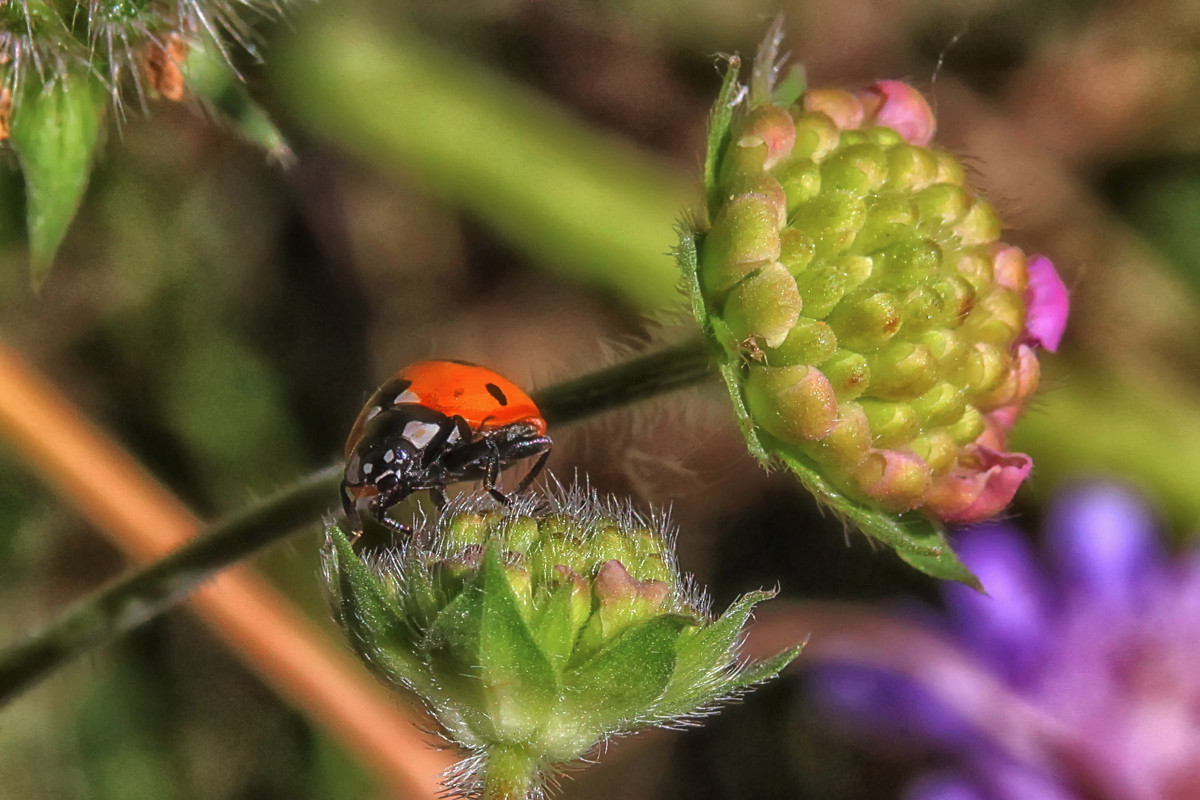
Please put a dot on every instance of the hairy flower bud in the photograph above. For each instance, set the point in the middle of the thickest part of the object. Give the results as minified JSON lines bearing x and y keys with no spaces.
{"x":63,"y":64}
{"x":536,"y":631}
{"x":879,"y":339}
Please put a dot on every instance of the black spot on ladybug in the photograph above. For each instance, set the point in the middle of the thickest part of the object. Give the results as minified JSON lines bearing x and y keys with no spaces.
{"x":397,"y":387}
{"x":495,"y":392}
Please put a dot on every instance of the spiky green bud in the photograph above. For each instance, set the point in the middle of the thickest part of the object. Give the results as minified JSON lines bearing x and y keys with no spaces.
{"x":533,"y":632}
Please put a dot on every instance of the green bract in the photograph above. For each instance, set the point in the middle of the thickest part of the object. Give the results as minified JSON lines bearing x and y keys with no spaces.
{"x":63,"y":62}
{"x":534,"y":632}
{"x":870,"y":324}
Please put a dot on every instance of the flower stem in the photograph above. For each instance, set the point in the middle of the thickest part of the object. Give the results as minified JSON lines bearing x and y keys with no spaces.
{"x":661,"y":371}
{"x":145,"y":593}
{"x":509,"y":774}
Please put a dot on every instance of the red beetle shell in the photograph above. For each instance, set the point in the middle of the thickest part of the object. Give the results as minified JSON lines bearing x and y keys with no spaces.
{"x":435,"y":423}
{"x":484,"y":398}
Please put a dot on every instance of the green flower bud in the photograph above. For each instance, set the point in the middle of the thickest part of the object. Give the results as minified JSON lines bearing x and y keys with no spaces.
{"x":534,"y":632}
{"x":797,"y":403}
{"x":905,"y":305}
{"x":766,"y":304}
{"x":62,"y":64}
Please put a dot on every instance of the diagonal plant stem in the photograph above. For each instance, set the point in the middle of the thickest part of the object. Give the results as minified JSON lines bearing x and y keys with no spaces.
{"x":673,"y":367}
{"x":116,"y":495}
{"x":143,"y":594}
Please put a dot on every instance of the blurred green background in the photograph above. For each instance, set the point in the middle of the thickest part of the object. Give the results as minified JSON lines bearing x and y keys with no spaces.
{"x":498,"y":180}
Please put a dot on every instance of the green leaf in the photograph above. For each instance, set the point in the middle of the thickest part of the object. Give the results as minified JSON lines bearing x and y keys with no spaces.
{"x":55,"y":132}
{"x":687,"y":258}
{"x":452,"y":643}
{"x":521,"y":686}
{"x":915,"y":538}
{"x":719,"y":121}
{"x":709,"y":647}
{"x":766,"y":63}
{"x":622,"y":682}
{"x":703,"y":667}
{"x":213,"y":80}
{"x":554,"y":632}
{"x":367,"y":614}
{"x":760,"y":671}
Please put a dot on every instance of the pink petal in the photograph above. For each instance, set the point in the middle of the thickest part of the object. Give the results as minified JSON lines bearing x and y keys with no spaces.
{"x":845,"y":109}
{"x":896,"y":479}
{"x":776,"y":128}
{"x":1009,"y":267}
{"x":981,"y":486}
{"x":1047,"y":304}
{"x":899,"y":106}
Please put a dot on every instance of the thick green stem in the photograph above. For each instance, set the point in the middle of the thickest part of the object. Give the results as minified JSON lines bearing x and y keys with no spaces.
{"x":626,"y":383}
{"x":509,"y":774}
{"x":145,"y":593}
{"x":584,"y":204}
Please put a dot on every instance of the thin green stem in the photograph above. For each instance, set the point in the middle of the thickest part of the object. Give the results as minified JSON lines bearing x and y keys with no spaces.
{"x":141,"y":595}
{"x":508,"y":774}
{"x":623,"y":384}
{"x":147,"y":592}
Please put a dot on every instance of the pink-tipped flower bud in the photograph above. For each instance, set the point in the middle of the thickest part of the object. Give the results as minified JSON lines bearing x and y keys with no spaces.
{"x":896,"y":105}
{"x":897,"y":332}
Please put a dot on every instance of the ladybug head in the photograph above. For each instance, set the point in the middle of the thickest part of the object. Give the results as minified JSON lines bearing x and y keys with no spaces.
{"x":393,"y":457}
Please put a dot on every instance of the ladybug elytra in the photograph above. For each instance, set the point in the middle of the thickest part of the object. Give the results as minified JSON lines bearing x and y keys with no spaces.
{"x":435,"y":423}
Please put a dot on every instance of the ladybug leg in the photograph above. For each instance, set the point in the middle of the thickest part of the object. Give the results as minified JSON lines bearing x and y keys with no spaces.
{"x":437,"y":444}
{"x":398,"y":527}
{"x":380,"y":506}
{"x":492,"y":476}
{"x":439,"y":497}
{"x":534,"y":471}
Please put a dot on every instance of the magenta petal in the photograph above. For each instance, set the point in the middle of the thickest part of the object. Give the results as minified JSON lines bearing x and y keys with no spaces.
{"x":982,"y":488}
{"x":902,"y":108}
{"x":1047,"y":303}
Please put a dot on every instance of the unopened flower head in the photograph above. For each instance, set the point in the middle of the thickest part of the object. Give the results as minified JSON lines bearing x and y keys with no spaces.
{"x":879,"y":329}
{"x":536,"y":631}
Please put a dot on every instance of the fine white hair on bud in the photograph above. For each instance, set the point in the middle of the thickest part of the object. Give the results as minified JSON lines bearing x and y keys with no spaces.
{"x":536,"y":631}
{"x":137,"y":45}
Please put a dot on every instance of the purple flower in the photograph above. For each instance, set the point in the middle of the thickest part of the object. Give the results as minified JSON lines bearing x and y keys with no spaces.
{"x":1076,"y":676}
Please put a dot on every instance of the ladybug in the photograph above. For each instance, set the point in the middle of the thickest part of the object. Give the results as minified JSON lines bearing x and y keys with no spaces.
{"x":435,"y":423}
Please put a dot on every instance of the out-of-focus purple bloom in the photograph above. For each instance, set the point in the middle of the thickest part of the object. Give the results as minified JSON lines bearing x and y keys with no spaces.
{"x":1094,"y":649}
